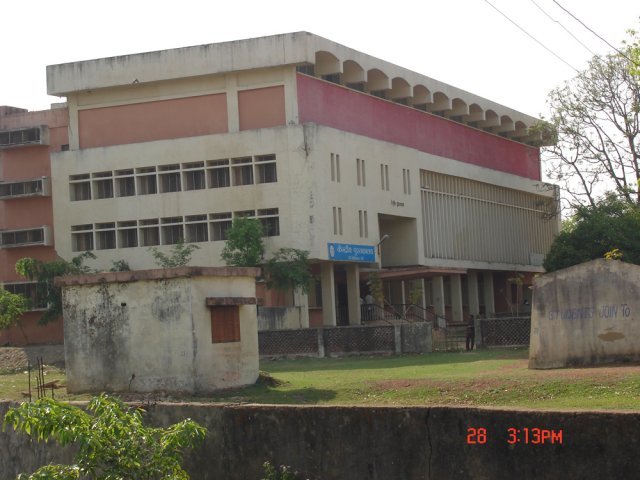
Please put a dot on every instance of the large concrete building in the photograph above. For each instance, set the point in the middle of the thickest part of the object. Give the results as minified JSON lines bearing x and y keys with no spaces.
{"x":359,"y":161}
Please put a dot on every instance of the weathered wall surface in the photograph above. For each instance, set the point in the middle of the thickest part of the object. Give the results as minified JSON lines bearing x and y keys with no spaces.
{"x":585,"y":315}
{"x":383,"y":443}
{"x":280,"y":318}
{"x":155,"y":334}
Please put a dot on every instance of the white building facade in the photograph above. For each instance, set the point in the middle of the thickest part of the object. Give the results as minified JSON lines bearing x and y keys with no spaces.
{"x":333,"y":150}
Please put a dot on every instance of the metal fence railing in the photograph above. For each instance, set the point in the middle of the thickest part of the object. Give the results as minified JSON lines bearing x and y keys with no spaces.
{"x":505,"y":331}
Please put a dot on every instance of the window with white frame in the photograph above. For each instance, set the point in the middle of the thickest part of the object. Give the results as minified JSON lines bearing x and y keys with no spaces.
{"x":105,"y":236}
{"x":269,"y":218}
{"x":149,"y":232}
{"x":102,"y":185}
{"x":193,"y":176}
{"x":172,"y":230}
{"x":169,"y":178}
{"x":80,"y":187}
{"x":128,"y":234}
{"x":197,"y":228}
{"x":82,"y":237}
{"x":218,"y":173}
{"x":266,"y":171}
{"x":219,"y":224}
{"x":146,"y":180}
{"x":125,"y":183}
{"x":242,"y":169}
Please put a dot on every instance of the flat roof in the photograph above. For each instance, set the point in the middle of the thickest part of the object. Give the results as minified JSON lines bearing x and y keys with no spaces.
{"x":156,"y":274}
{"x":298,"y":48}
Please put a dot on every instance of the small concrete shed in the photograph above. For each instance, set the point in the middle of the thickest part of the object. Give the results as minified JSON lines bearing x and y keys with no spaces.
{"x":588,"y":314}
{"x":187,"y":330}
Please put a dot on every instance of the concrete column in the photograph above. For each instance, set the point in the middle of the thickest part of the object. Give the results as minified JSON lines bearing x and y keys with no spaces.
{"x":472,"y":290}
{"x":423,"y":285}
{"x":397,"y":338}
{"x":456,"y":297}
{"x":478,"y":332}
{"x":233,"y":112}
{"x":404,"y":292}
{"x":489,"y":298}
{"x":328,"y":294}
{"x":301,"y":300}
{"x":438,"y":295}
{"x":353,"y":293}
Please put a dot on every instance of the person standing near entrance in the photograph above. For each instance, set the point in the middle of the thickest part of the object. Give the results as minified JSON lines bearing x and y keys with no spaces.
{"x":369,"y":300}
{"x":471,"y":334}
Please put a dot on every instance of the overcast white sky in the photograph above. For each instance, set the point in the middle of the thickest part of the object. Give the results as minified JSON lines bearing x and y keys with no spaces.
{"x":465,"y":43}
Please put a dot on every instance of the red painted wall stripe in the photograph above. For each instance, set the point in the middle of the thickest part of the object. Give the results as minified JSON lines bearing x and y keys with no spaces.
{"x":334,"y":106}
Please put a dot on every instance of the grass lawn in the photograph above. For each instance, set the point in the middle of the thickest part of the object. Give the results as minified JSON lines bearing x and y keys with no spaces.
{"x":497,"y":377}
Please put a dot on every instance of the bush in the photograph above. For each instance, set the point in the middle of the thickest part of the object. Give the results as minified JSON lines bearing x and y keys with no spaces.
{"x":112,"y":442}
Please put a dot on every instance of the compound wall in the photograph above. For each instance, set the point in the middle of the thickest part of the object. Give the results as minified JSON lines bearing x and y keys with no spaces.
{"x":384,"y":443}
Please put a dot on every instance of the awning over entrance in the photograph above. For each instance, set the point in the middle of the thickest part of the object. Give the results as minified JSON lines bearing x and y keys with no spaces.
{"x":408,"y":273}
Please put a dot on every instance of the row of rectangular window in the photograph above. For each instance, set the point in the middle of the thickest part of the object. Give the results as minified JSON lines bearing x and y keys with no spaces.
{"x":174,"y":178}
{"x":25,"y":237}
{"x":361,"y":176}
{"x":25,"y":188}
{"x":166,"y":231}
{"x":363,"y":222}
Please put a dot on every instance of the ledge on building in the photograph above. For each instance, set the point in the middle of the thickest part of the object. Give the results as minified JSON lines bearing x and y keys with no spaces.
{"x":156,"y":274}
{"x":229,"y":301}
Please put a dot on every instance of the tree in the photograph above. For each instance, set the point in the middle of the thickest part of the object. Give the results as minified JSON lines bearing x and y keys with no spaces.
{"x":43,"y":274}
{"x":608,"y":229}
{"x":244,"y":246}
{"x":596,"y":118}
{"x":180,"y":255}
{"x":112,"y":441}
{"x":288,"y":269}
{"x":12,"y":306}
{"x":633,"y":50}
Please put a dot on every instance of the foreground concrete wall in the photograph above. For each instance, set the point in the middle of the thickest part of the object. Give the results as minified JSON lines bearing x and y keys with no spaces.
{"x":383,"y":443}
{"x":152,"y":330}
{"x":585,"y":315}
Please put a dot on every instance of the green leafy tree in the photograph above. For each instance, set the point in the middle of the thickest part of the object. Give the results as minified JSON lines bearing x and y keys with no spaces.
{"x":43,"y":274}
{"x":288,"y":269}
{"x":12,"y":306}
{"x":180,"y":255}
{"x":244,"y":246}
{"x":633,"y":52}
{"x":113,"y":443}
{"x":612,"y":225}
{"x":596,"y":116}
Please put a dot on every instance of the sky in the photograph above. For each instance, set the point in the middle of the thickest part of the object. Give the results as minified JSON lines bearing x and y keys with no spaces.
{"x":465,"y":43}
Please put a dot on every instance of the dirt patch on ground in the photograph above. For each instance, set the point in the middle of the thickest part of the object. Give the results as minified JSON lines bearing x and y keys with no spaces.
{"x":13,"y":359}
{"x":512,"y":376}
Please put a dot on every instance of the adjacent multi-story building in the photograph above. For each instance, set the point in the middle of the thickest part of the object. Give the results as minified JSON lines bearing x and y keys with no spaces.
{"x":26,"y":212}
{"x":359,"y":161}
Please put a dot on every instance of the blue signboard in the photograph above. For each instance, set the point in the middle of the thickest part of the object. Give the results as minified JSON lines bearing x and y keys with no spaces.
{"x":353,"y":253}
